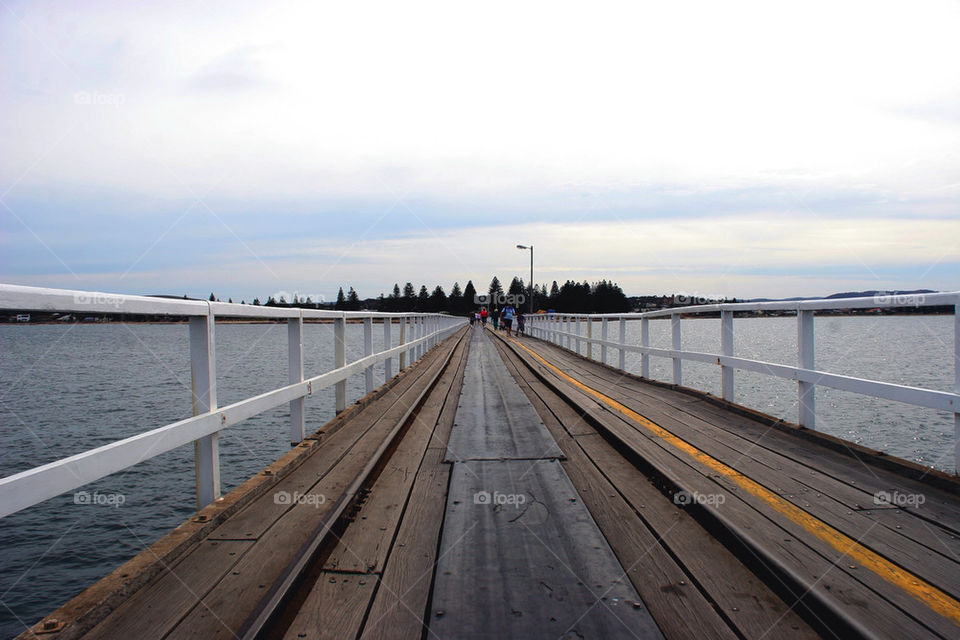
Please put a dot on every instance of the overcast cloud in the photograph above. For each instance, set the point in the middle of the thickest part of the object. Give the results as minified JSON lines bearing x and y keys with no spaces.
{"x":742,"y":149}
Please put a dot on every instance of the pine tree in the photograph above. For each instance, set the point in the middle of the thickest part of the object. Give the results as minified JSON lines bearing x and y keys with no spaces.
{"x":393,"y":302}
{"x":341,"y":301}
{"x":353,"y":301}
{"x":469,"y":297}
{"x":455,"y":299}
{"x":423,"y":299}
{"x":409,"y":297}
{"x":495,"y":290}
{"x":438,"y":300}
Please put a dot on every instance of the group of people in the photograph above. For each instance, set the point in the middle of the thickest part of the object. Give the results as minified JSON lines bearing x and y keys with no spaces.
{"x":502,"y":319}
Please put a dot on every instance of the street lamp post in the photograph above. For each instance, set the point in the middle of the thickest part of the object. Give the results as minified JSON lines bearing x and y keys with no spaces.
{"x":521,"y":246}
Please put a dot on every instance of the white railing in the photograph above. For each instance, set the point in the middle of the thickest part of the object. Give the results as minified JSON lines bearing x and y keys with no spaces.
{"x":565,"y":329}
{"x":418,"y":333}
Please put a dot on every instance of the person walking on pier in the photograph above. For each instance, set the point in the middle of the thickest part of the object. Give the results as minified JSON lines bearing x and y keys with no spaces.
{"x":483,"y":315}
{"x":521,"y":323}
{"x":496,"y":318}
{"x":507,"y":318}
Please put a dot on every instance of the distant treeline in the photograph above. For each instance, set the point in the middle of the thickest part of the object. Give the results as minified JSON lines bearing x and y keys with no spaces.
{"x":570,"y":297}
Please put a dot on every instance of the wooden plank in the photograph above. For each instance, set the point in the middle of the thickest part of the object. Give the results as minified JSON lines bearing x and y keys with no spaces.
{"x":235,"y":599}
{"x":850,"y":597}
{"x":157,"y":607}
{"x":745,"y":600}
{"x":521,"y":557}
{"x":778,"y":473}
{"x":613,"y":488}
{"x":400,"y":604}
{"x":832,"y":501}
{"x":263,"y":512}
{"x":941,"y":508}
{"x":363,"y":547}
{"x":441,"y":435}
{"x":831,"y":473}
{"x":335,"y":608}
{"x":494,"y":419}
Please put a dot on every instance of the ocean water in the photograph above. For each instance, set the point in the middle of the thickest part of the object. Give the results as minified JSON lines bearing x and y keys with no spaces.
{"x":66,"y":389}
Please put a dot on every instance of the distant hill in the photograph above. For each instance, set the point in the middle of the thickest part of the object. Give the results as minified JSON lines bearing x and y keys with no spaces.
{"x":847,"y":294}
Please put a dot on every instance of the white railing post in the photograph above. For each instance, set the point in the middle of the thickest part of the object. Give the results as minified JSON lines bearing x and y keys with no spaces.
{"x":578,"y":334}
{"x":645,"y":343}
{"x":412,"y":355}
{"x":623,"y":342}
{"x":388,"y":363}
{"x":340,"y":359}
{"x":603,"y":336}
{"x":956,"y":386}
{"x":368,"y":351}
{"x":295,"y":364}
{"x":589,"y":337}
{"x":726,"y":348}
{"x":403,"y":340}
{"x":417,"y":334}
{"x":805,"y":360}
{"x":418,"y":351}
{"x":677,"y":362}
{"x":203,"y":380}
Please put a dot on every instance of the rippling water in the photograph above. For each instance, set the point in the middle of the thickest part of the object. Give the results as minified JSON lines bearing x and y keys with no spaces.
{"x":66,"y":389}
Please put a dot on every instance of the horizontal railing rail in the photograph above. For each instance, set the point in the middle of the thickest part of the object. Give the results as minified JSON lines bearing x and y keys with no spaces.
{"x":565,"y":329}
{"x":419,"y":332}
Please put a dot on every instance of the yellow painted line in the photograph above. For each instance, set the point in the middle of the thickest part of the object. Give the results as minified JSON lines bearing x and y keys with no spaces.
{"x":937,"y":600}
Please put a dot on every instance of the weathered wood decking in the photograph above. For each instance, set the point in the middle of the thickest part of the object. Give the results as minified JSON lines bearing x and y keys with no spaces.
{"x":510,"y":488}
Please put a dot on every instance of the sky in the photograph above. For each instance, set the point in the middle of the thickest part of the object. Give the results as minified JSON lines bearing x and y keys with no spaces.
{"x":736,"y":149}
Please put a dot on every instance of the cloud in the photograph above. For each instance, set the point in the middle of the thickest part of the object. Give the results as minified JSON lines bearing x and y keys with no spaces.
{"x":717,"y":137}
{"x":236,"y":70}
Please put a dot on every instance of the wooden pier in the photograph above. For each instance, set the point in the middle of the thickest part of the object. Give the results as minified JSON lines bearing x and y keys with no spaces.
{"x":507,"y":487}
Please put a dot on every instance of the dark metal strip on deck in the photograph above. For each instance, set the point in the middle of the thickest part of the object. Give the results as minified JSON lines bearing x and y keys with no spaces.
{"x":495,"y":421}
{"x":521,"y":557}
{"x":520,"y":554}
